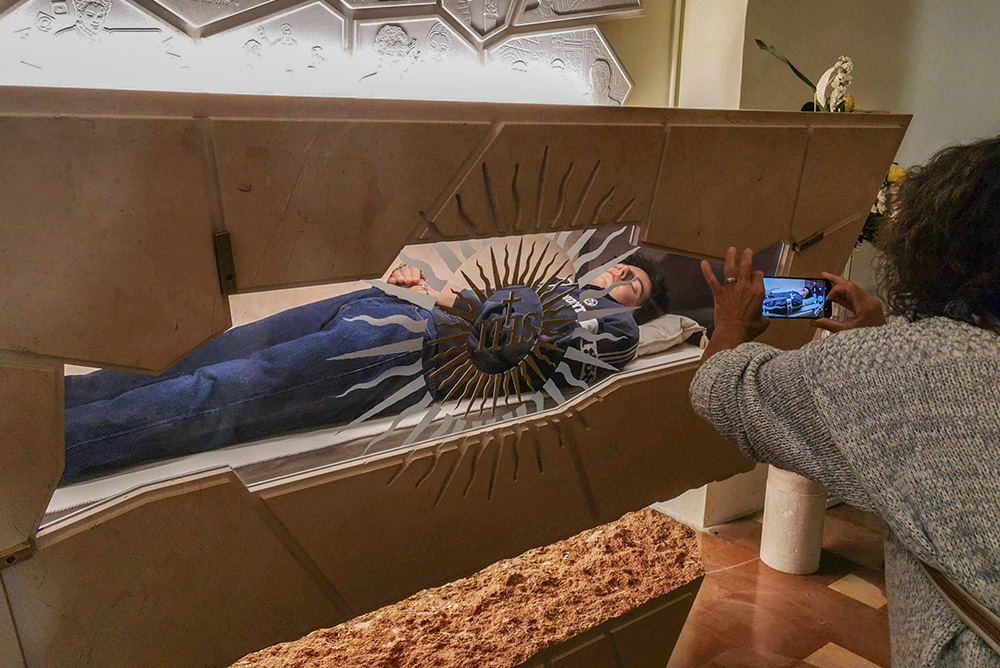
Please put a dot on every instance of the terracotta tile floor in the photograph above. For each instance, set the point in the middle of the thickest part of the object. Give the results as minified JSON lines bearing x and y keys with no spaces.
{"x":749,"y":615}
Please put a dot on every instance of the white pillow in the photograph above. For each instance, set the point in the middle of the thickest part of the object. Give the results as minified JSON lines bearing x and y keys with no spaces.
{"x":665,"y":332}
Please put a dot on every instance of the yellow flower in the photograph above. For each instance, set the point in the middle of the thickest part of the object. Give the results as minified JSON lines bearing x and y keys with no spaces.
{"x":849,"y":103}
{"x":896,"y":174}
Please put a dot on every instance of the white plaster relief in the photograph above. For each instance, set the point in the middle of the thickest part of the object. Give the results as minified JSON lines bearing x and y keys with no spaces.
{"x":583,"y":53}
{"x":307,"y":40}
{"x":482,"y":17}
{"x":200,"y":13}
{"x":391,"y":48}
{"x":119,"y":44}
{"x":371,"y":4}
{"x":48,"y":34}
{"x":554,"y":11}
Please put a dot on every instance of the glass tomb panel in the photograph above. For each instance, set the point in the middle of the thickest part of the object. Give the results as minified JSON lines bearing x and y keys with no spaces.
{"x":455,"y":336}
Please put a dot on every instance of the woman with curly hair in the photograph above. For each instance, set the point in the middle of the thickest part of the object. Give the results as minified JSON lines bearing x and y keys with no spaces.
{"x":901,"y":419}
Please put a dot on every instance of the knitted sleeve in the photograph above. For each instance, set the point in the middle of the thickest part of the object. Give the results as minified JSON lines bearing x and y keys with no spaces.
{"x":758,"y":397}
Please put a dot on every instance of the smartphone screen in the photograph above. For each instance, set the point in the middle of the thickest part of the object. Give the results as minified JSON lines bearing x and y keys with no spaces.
{"x":796,"y":297}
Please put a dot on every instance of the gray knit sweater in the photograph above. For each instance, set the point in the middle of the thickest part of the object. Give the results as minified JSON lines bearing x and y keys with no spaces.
{"x":902,"y":420}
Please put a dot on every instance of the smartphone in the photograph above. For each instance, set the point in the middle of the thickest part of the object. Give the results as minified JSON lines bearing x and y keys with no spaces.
{"x":787,"y":297}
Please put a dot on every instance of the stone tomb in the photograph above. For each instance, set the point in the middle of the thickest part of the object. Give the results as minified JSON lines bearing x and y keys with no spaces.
{"x":133,"y":218}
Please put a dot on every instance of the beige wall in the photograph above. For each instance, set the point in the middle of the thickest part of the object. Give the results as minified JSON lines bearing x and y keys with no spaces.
{"x":644,"y":47}
{"x":813,"y":34}
{"x":935,"y":59}
{"x":711,"y":54}
{"x":951,"y":87}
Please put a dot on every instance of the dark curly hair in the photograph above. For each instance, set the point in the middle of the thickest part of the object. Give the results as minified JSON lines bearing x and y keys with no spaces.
{"x":658,"y":302}
{"x":941,"y":244}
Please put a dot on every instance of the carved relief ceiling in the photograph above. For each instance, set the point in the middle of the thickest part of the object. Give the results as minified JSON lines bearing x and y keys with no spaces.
{"x":298,"y":40}
{"x":554,"y":11}
{"x":582,"y":52}
{"x":221,"y":45}
{"x":482,"y":17}
{"x":399,"y":43}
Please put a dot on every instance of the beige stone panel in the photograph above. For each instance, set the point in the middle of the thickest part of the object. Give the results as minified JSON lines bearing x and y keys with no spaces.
{"x":556,"y":177}
{"x":10,"y":648}
{"x":646,"y":640}
{"x":830,"y":254}
{"x":843,"y":171}
{"x":31,"y":447}
{"x":107,"y":241}
{"x":725,"y":186}
{"x":313,"y":202}
{"x":788,"y":334}
{"x":665,"y":451}
{"x":186,"y":575}
{"x":379,"y":543}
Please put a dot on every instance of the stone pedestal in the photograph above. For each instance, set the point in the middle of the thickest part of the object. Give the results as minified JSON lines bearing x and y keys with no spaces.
{"x":794,"y":508}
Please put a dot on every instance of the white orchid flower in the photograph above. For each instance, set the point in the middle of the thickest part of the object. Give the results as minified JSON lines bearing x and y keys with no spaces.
{"x":824,"y":82}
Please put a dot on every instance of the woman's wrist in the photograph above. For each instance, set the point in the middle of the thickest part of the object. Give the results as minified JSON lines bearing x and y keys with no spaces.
{"x":731,"y":331}
{"x":726,"y":337}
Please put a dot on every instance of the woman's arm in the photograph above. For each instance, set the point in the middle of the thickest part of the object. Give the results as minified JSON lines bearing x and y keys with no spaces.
{"x":760,"y":397}
{"x":739,"y":303}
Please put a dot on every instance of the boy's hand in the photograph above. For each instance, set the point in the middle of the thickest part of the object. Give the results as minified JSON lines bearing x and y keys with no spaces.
{"x":406,"y":276}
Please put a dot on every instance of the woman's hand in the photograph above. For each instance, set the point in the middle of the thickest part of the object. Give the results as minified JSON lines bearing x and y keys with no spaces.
{"x":867,"y":311}
{"x":739,"y":299}
{"x":406,"y":276}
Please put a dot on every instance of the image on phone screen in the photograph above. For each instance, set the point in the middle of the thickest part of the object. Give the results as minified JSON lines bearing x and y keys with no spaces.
{"x":796,"y":297}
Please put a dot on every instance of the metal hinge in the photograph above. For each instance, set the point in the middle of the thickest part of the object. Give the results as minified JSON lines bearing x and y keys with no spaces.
{"x":224,"y":263}
{"x":807,"y":242}
{"x":17,"y":554}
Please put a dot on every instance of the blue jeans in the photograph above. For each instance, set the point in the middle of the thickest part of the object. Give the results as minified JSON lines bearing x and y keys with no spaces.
{"x":263,"y":379}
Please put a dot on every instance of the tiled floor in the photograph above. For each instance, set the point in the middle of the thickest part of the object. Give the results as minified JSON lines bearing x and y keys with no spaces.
{"x":748,"y":615}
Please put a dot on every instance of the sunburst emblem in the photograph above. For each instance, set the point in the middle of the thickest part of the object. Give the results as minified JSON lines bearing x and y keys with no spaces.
{"x":502,"y":352}
{"x":504,"y":346}
{"x":492,"y":358}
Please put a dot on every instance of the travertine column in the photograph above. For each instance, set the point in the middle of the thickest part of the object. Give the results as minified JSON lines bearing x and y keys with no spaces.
{"x":794,"y":508}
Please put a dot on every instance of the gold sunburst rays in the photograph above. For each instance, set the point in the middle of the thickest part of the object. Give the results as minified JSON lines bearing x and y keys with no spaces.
{"x":481,"y":379}
{"x":538,"y":265}
{"x":527,"y":264}
{"x":473,"y":305}
{"x":450,"y":364}
{"x":487,"y":288}
{"x":470,"y":368}
{"x":475,"y":288}
{"x":496,"y":271}
{"x":462,"y":371}
{"x":517,"y":260}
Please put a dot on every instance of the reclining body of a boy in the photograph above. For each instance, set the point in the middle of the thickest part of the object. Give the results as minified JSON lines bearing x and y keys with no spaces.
{"x":355,"y":357}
